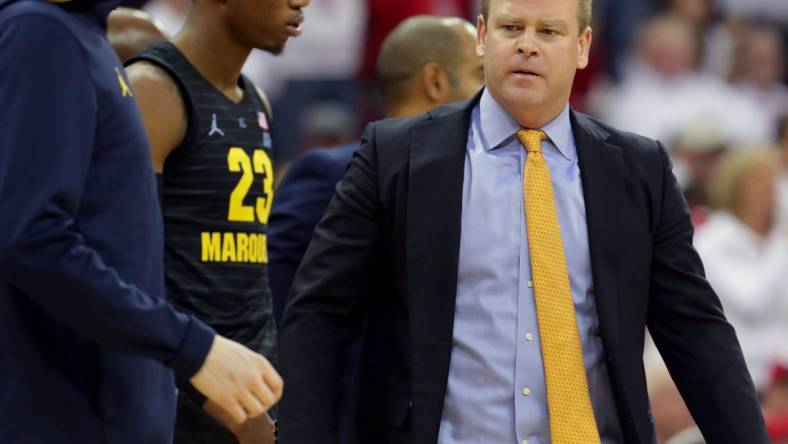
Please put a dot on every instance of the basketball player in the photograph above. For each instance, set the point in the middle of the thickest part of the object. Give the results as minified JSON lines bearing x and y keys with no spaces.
{"x":208,"y":128}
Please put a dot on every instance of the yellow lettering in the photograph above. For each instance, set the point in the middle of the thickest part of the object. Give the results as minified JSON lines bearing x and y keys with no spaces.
{"x":211,"y":247}
{"x":262,"y":165}
{"x":239,"y":161}
{"x":253,"y":248}
{"x":228,"y":248}
{"x":242,"y":250}
{"x":250,"y":248}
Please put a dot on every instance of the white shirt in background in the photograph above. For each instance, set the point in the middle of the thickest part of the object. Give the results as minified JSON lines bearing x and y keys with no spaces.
{"x":750,"y":275}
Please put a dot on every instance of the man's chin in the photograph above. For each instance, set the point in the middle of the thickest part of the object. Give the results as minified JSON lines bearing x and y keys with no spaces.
{"x":273,"y":49}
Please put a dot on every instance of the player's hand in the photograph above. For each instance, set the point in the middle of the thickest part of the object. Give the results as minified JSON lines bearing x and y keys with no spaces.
{"x":238,"y":380}
{"x":258,"y":430}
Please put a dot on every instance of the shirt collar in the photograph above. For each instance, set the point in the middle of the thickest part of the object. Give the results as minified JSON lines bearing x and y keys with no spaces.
{"x":498,"y":127}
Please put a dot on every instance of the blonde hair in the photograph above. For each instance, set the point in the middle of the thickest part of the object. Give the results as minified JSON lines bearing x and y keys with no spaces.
{"x":733,"y":169}
{"x":583,"y":16}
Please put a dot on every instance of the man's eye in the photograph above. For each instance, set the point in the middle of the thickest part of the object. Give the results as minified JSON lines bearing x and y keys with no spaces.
{"x":509,"y":28}
{"x":549,"y":32}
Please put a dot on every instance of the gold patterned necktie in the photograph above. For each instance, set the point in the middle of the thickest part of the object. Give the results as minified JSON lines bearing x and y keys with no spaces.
{"x":568,"y":400}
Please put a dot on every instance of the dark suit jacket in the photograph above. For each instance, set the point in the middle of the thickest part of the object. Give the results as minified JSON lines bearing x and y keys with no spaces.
{"x":299,"y":204}
{"x":387,"y":248}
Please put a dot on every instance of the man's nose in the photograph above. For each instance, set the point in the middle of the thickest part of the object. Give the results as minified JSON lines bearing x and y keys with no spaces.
{"x":527,"y":44}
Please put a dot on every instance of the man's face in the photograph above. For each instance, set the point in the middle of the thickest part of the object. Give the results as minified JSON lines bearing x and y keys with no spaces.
{"x":470,"y":71}
{"x":266,"y":24}
{"x":531,"y":50}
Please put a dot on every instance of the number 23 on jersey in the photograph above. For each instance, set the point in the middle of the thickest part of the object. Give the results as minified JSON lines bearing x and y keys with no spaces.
{"x":239,"y":161}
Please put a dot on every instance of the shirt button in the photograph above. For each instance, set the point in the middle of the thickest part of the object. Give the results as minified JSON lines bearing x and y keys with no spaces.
{"x":530,"y":284}
{"x":529,"y":337}
{"x":526,"y":391}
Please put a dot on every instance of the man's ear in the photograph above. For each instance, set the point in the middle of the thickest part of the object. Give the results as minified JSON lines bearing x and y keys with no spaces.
{"x":481,"y":36}
{"x":584,"y":47}
{"x":434,"y":82}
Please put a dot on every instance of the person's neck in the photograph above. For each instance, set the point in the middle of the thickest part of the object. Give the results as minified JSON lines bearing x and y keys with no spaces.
{"x":535,"y":116}
{"x":217,"y":57}
{"x":538,"y":120}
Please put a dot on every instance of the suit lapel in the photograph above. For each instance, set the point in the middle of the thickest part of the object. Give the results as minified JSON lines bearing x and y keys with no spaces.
{"x":435,"y":182}
{"x":603,"y":178}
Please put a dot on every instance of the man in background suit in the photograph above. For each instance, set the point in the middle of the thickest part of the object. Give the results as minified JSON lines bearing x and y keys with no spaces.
{"x":425,"y":62}
{"x":506,"y":256}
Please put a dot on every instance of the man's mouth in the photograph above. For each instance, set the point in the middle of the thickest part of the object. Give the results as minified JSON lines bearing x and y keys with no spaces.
{"x":294,"y":26}
{"x":526,"y":73}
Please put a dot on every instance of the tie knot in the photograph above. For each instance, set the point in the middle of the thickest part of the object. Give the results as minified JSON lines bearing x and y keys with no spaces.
{"x":531,"y":139}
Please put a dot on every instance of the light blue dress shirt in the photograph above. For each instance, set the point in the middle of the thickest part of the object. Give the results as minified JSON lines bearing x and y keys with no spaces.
{"x":496,"y":390}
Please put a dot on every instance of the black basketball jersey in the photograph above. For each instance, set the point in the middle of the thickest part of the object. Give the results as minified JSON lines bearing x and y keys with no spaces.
{"x":216,"y":193}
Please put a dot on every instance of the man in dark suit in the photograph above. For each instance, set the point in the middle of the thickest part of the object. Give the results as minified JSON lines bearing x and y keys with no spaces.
{"x":507,"y":255}
{"x":424,"y":62}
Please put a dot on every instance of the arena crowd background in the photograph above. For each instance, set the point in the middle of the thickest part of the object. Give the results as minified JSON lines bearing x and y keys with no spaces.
{"x":706,"y":77}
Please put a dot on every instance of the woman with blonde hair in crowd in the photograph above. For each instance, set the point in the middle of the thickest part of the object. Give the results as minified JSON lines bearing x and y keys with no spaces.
{"x":746,"y":255}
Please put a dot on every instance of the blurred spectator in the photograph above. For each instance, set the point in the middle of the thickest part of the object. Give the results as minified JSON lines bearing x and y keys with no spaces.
{"x":617,"y":24}
{"x":782,"y":144}
{"x":663,"y":89}
{"x":385,"y":15}
{"x":776,"y":10}
{"x":171,"y":13}
{"x":746,"y":256}
{"x":695,"y":152}
{"x":760,"y":69}
{"x":698,"y":12}
{"x":129,"y":31}
{"x":717,"y":33}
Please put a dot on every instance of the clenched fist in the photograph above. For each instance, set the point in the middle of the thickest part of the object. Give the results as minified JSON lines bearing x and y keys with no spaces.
{"x":239,"y":380}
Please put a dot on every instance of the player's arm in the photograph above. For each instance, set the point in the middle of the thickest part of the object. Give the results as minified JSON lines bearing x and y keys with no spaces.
{"x":48,"y":118}
{"x":162,"y":109}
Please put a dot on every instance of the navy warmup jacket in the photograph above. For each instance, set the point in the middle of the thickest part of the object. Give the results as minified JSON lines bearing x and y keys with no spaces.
{"x":88,"y":345}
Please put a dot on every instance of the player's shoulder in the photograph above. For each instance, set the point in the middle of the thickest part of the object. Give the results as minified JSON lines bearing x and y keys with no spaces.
{"x":146,"y":74}
{"x":153,"y":84}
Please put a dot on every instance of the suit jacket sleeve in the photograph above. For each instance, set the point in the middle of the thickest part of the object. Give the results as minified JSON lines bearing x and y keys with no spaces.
{"x":328,"y":301}
{"x":689,"y":328}
{"x":300,"y":203}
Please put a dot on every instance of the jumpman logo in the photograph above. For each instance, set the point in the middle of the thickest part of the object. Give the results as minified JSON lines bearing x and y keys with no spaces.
{"x":124,"y":88}
{"x":215,"y":127}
